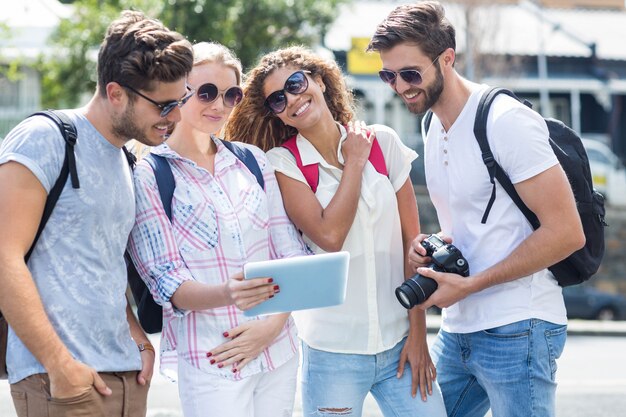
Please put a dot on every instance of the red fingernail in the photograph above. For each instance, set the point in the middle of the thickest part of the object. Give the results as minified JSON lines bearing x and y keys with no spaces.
{"x":269,"y":281}
{"x":272,"y":296}
{"x":212,"y":361}
{"x":208,"y":355}
{"x":276,"y":288}
{"x":234,"y":370}
{"x":225,"y":334}
{"x":220,"y":365}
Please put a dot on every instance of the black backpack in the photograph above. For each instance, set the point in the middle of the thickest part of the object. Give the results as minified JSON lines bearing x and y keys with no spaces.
{"x":149,"y":312}
{"x":569,"y":150}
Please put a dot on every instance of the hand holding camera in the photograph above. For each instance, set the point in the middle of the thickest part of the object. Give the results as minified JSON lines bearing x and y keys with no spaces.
{"x":445,"y":258}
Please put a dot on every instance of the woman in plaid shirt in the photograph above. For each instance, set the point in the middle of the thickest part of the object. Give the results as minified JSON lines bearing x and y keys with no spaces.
{"x":228,"y":364}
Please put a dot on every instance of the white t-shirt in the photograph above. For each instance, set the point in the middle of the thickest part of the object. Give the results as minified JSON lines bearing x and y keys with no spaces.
{"x":370,"y":320}
{"x":458,"y":184}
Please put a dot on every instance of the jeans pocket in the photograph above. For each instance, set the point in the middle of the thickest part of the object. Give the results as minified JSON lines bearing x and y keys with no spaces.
{"x":555,"y":339}
{"x":517,"y":330}
{"x":87,"y":403}
{"x":139,"y":394}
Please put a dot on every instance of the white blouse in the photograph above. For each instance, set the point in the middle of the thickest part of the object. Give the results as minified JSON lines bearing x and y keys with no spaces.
{"x":370,"y":320}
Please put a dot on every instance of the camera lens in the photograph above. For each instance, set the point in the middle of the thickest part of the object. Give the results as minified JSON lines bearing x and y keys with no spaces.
{"x":403,"y":298}
{"x":415,"y":291}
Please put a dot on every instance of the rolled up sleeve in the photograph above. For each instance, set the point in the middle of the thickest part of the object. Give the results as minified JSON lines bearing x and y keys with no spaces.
{"x":152,"y":244}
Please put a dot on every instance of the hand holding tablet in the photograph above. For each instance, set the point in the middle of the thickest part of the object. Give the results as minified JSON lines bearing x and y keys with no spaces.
{"x":246,"y":294}
{"x":305,"y":282}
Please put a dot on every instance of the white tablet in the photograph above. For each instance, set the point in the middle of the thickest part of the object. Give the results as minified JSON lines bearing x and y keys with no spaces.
{"x":305,"y":282}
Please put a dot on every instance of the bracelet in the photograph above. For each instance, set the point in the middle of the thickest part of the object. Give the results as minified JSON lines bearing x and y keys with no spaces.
{"x":146,"y":346}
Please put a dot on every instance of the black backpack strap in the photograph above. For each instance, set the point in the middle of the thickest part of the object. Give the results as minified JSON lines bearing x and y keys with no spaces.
{"x":494,"y":169}
{"x":130,"y":157}
{"x":428,"y":118}
{"x":164,"y":179}
{"x":150,"y":313}
{"x":68,"y":131}
{"x":245,"y":155}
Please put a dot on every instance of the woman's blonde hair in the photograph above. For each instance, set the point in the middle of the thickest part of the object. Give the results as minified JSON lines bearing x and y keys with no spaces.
{"x":252,"y":122}
{"x":212,"y":52}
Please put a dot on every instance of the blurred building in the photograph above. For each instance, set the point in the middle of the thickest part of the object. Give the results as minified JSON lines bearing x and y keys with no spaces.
{"x":25,"y":26}
{"x":565,"y":56}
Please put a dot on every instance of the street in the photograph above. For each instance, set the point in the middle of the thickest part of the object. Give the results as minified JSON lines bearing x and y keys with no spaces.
{"x":591,"y":376}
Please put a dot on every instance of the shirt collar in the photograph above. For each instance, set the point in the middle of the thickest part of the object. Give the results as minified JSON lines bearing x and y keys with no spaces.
{"x":226,"y":158}
{"x":310,"y":155}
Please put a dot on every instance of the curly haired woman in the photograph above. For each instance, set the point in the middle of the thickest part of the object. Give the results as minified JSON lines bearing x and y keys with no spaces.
{"x":297,"y":107}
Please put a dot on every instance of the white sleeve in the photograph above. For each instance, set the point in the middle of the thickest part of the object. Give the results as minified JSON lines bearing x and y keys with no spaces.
{"x":284,"y":162}
{"x":37,"y":144}
{"x":519,"y":140}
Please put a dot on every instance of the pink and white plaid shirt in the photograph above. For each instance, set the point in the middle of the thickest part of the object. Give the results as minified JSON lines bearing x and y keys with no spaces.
{"x":219,"y":222}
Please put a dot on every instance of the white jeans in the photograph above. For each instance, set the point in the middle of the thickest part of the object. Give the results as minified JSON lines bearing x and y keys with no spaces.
{"x":267,"y":394}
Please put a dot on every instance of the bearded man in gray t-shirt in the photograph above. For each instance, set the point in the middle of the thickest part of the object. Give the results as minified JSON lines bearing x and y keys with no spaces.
{"x":73,"y":339}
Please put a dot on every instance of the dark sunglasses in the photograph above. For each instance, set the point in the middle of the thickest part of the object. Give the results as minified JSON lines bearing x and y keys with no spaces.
{"x":297,"y":83}
{"x":413,"y":77}
{"x":166,"y":108}
{"x":208,"y":93}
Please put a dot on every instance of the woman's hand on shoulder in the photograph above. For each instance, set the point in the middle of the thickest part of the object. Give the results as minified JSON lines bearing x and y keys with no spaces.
{"x":358,"y":144}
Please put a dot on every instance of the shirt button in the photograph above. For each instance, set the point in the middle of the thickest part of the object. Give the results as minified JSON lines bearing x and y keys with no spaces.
{"x":446,"y":163}
{"x":445,"y":151}
{"x":445,"y":138}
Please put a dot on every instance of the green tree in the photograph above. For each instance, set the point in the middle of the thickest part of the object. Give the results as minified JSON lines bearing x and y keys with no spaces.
{"x":252,"y":27}
{"x":69,"y":72}
{"x":249,"y":27}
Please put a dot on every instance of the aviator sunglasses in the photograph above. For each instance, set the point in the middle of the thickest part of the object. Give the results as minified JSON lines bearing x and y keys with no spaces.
{"x":411,"y":76}
{"x":297,"y":83}
{"x":167,"y":107}
{"x":208,"y":93}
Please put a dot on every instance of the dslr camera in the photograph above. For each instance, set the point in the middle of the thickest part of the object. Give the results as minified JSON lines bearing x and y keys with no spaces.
{"x":445,"y":258}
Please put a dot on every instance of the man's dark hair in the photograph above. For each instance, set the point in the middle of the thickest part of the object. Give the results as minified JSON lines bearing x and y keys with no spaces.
{"x":137,"y":51}
{"x":423,"y":24}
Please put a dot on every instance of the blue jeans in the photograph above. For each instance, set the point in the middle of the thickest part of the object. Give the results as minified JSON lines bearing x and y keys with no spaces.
{"x":510,"y":368}
{"x":335,"y":384}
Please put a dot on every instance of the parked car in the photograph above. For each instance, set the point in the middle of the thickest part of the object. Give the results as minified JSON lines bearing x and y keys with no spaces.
{"x":608,"y":172}
{"x":586,"y":302}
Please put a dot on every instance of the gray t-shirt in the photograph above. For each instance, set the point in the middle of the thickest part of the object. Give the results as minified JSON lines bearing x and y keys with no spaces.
{"x":78,"y":263}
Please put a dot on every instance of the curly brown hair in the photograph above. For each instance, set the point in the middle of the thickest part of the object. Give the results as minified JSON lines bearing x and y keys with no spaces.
{"x":252,"y":122}
{"x":424,"y":24}
{"x":138,"y":51}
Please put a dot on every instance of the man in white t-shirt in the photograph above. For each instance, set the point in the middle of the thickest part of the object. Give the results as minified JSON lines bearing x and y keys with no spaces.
{"x":74,"y":345}
{"x":504,"y":326}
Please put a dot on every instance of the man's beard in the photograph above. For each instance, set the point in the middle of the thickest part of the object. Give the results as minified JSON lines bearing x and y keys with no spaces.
{"x":126,"y":128}
{"x":431,"y":94}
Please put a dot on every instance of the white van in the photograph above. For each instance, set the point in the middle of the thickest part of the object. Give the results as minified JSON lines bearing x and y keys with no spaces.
{"x":608,"y":172}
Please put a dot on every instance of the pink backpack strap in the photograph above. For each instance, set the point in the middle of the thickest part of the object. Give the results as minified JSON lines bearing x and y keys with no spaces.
{"x":311,"y":172}
{"x":377,"y":159}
